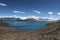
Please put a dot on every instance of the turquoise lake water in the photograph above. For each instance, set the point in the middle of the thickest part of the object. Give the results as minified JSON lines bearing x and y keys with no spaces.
{"x":26,"y":25}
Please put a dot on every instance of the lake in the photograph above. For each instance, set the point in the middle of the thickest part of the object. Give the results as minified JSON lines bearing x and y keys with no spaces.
{"x":21,"y":25}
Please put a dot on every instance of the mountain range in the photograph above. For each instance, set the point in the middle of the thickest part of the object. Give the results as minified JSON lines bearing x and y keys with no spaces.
{"x":19,"y":19}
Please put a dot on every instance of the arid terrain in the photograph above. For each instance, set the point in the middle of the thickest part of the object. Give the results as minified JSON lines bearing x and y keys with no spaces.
{"x":49,"y":32}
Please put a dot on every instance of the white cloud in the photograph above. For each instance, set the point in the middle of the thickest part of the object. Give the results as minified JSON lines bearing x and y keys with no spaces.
{"x":36,"y":11}
{"x":50,"y":13}
{"x":18,"y":12}
{"x":2,"y":4}
{"x":58,"y":13}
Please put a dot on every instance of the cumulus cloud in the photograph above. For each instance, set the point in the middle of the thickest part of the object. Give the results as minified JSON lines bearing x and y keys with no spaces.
{"x":50,"y":13}
{"x":36,"y":11}
{"x":18,"y":12}
{"x":58,"y":13}
{"x":2,"y":4}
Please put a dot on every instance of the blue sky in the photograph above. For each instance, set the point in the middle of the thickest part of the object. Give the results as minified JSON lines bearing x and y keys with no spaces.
{"x":29,"y":7}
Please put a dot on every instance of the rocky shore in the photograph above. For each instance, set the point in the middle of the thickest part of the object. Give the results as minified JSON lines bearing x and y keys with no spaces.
{"x":49,"y":32}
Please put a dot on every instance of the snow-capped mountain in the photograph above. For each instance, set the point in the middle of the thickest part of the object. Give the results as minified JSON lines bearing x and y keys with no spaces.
{"x":27,"y":18}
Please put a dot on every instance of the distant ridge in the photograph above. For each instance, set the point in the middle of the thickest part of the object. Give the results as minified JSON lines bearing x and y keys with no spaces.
{"x":31,"y":20}
{"x":16,"y":18}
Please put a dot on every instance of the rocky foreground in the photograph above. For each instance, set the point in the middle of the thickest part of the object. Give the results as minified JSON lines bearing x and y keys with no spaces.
{"x":49,"y":32}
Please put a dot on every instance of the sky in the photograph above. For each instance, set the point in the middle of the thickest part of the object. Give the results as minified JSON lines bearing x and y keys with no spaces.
{"x":41,"y":8}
